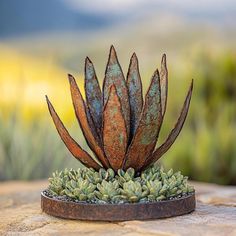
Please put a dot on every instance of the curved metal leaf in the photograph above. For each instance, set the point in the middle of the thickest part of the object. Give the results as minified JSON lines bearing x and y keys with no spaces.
{"x":134,"y":85}
{"x":114,"y":131}
{"x":164,"y":84}
{"x":82,"y":115}
{"x":114,"y":75}
{"x":146,"y":135}
{"x":70,"y":143}
{"x":174,"y":132}
{"x":93,"y":95}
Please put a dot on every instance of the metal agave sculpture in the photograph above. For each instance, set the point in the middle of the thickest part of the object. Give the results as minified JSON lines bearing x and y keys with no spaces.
{"x":120,"y":128}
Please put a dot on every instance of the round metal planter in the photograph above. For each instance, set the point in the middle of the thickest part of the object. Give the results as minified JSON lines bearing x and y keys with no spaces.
{"x":118,"y":212}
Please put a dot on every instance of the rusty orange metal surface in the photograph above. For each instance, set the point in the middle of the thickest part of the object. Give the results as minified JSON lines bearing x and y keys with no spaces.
{"x":114,"y":75}
{"x":82,"y":116}
{"x":114,"y":131}
{"x":174,"y":132}
{"x":146,"y":135}
{"x":164,"y":84}
{"x":70,"y":143}
{"x":118,"y":212}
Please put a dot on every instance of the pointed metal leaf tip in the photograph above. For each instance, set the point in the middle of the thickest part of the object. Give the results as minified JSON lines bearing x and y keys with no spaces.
{"x":174,"y":132}
{"x":134,"y":56}
{"x":69,"y":142}
{"x":113,"y":55}
{"x":114,"y":130}
{"x":114,"y":75}
{"x":88,"y":69}
{"x":163,"y":60}
{"x":87,"y":60}
{"x":164,"y":84}
{"x":71,"y":78}
{"x":93,"y":96}
{"x":112,"y":49}
{"x":85,"y":122}
{"x":147,"y":132}
{"x":134,"y":63}
{"x":134,"y":85}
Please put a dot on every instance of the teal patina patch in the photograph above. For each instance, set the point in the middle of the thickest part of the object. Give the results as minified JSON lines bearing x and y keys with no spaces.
{"x":114,"y":70}
{"x":89,"y":72}
{"x":93,"y":94}
{"x":135,"y":93}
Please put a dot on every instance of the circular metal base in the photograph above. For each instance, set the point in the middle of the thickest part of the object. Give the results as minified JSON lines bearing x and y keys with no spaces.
{"x":118,"y":212}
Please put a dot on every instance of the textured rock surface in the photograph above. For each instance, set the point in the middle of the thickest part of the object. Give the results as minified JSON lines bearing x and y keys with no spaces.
{"x":20,"y":214}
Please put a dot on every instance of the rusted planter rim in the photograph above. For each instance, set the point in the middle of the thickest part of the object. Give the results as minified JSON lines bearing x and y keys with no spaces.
{"x":118,"y":212}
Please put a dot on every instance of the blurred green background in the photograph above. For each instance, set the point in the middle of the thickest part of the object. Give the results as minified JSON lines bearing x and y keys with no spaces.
{"x":42,"y":41}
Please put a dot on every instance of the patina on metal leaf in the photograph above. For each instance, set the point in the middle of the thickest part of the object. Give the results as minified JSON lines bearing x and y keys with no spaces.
{"x":114,"y":131}
{"x":83,"y":115}
{"x":114,"y":75}
{"x":93,"y":95}
{"x":174,"y":132}
{"x":70,"y":143}
{"x":164,"y":84}
{"x":119,"y":129}
{"x":144,"y":140}
{"x":134,"y":85}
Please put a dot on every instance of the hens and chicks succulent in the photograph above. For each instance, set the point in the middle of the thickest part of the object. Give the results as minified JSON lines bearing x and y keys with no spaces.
{"x":105,"y":186}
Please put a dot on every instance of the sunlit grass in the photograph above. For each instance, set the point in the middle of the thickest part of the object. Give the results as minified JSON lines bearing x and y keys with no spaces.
{"x":25,"y":80}
{"x":29,"y":144}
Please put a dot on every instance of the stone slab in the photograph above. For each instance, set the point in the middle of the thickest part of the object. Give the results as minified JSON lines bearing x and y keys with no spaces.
{"x":20,"y":214}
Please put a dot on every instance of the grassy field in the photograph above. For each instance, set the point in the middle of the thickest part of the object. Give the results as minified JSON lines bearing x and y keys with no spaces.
{"x":30,"y":147}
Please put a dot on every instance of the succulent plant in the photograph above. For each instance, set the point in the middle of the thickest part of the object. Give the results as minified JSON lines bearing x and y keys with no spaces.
{"x":57,"y":183}
{"x":120,"y":128}
{"x":104,"y":186}
{"x":133,"y":192}
{"x":125,"y":176}
{"x":108,"y":191}
{"x":80,"y":189}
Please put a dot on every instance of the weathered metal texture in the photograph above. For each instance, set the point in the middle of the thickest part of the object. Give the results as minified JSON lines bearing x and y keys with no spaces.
{"x":118,"y":212}
{"x":114,"y":131}
{"x":164,"y":84}
{"x":144,"y":140}
{"x":134,"y":85}
{"x":114,"y":75}
{"x":93,"y":95}
{"x":174,"y":132}
{"x":83,"y":116}
{"x":70,"y":143}
{"x":134,"y":143}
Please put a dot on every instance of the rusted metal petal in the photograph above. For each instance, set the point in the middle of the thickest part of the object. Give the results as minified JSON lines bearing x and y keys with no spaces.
{"x":70,"y":143}
{"x":93,"y":95}
{"x":114,"y":75}
{"x":164,"y":84}
{"x":134,"y":85}
{"x":82,"y":115}
{"x":83,"y":106}
{"x":174,"y":132}
{"x":114,"y":130}
{"x":146,"y":135}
